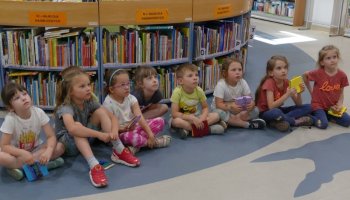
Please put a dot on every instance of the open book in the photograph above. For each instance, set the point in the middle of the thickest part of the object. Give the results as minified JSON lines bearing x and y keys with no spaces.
{"x":295,"y":83}
{"x":200,"y":132}
{"x":337,"y":114}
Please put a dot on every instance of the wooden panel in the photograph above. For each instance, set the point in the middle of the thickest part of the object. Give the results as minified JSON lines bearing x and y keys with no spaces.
{"x":205,"y":10}
{"x":299,"y":13}
{"x":145,"y":12}
{"x":49,"y":14}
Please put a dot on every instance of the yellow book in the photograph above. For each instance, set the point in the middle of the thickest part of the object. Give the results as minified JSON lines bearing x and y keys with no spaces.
{"x":295,"y":83}
{"x":337,"y":114}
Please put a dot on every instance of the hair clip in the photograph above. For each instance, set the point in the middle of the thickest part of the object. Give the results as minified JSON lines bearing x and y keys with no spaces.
{"x":111,"y":78}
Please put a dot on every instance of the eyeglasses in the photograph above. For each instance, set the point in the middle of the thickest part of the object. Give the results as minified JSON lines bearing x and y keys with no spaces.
{"x":124,"y":85}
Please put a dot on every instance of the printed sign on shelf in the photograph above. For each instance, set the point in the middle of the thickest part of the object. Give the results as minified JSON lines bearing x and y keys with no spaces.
{"x":152,"y":15}
{"x":47,"y":18}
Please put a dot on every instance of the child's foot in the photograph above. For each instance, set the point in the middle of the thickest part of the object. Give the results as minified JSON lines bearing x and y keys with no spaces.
{"x":257,"y":123}
{"x":304,"y":121}
{"x":125,"y":158}
{"x":17,"y":174}
{"x":133,"y":150}
{"x":53,"y":164}
{"x":98,"y":177}
{"x":183,"y":133}
{"x":282,"y":126}
{"x":216,"y":129}
{"x":163,"y":141}
{"x":223,"y":124}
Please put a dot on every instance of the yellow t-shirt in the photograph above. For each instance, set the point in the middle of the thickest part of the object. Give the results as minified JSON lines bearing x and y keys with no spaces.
{"x":188,"y":103}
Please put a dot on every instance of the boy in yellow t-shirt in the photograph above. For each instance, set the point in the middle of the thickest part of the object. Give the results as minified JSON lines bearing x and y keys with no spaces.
{"x":184,"y":104}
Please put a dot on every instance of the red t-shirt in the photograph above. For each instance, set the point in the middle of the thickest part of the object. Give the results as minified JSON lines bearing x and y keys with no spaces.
{"x":270,"y":84}
{"x":326,"y":90}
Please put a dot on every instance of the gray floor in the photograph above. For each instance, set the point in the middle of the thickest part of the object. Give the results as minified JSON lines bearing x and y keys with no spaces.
{"x":242,"y":164}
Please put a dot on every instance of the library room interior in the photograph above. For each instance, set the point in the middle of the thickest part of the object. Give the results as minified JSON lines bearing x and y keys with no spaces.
{"x":163,"y":99}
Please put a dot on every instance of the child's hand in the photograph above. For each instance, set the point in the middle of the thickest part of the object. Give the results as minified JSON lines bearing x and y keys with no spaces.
{"x":197,"y":123}
{"x":291,"y":91}
{"x":27,"y":157}
{"x":235,"y":108}
{"x":105,"y":137}
{"x":250,"y":106}
{"x":151,"y":141}
{"x":302,"y":87}
{"x":336,"y":108}
{"x":113,"y":136}
{"x":45,"y":157}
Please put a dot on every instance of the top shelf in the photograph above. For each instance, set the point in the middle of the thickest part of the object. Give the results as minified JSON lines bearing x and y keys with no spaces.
{"x":118,"y":12}
{"x":145,"y":12}
{"x":205,"y":10}
{"x":62,"y":14}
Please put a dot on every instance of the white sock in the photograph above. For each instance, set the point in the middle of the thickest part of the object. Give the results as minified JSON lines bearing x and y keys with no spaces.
{"x":92,"y":161}
{"x":118,"y":146}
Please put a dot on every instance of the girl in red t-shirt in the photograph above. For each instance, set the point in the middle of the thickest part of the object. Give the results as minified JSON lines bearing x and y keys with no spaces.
{"x":273,"y":91}
{"x":327,"y":93}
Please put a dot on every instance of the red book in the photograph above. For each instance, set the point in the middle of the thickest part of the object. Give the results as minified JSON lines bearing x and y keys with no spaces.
{"x":200,"y":132}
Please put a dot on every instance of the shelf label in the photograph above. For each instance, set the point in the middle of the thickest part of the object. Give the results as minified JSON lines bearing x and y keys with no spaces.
{"x":152,"y":15}
{"x":47,"y":18}
{"x":224,"y":10}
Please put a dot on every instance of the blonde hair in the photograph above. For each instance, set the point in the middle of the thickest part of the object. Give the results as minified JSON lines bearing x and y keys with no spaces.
{"x":226,"y":65}
{"x":180,"y":71}
{"x":142,"y":72}
{"x":270,"y":65}
{"x":323,"y":52}
{"x":64,"y":87}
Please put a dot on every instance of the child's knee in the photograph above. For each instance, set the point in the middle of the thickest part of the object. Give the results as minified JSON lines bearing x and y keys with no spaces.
{"x":321,"y":124}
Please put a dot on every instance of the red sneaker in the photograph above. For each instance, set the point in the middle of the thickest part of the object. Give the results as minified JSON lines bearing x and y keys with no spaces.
{"x":125,"y":158}
{"x":98,"y":177}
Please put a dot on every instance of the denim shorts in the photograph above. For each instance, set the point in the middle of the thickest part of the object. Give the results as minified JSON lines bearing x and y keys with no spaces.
{"x":68,"y":141}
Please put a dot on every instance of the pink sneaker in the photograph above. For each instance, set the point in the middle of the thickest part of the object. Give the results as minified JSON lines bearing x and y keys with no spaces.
{"x":98,"y":177}
{"x":125,"y":158}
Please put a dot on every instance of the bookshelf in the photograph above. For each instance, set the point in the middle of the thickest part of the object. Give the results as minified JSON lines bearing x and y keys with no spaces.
{"x":40,"y":39}
{"x":120,"y":34}
{"x":291,"y":12}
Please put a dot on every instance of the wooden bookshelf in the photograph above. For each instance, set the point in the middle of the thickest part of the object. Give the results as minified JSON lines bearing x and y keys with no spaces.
{"x":205,"y":10}
{"x":61,"y":14}
{"x":145,"y":12}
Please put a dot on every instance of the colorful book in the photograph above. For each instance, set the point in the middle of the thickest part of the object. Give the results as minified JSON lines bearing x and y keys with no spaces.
{"x":200,"y":132}
{"x":243,"y":101}
{"x":295,"y":83}
{"x":337,"y":114}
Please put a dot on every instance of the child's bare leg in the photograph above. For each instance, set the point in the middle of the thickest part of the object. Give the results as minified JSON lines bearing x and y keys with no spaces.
{"x":235,"y":120}
{"x":100,"y":117}
{"x":9,"y":161}
{"x":244,"y":115}
{"x":213,"y":118}
{"x":156,"y":110}
{"x":57,"y":152}
{"x":180,"y":123}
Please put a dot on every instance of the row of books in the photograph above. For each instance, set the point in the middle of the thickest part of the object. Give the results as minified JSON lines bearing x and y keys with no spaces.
{"x":41,"y":86}
{"x":218,"y":37}
{"x":26,"y":48}
{"x":145,"y":45}
{"x":282,"y":8}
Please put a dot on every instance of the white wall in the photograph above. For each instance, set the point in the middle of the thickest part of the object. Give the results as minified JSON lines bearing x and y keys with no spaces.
{"x":322,"y":12}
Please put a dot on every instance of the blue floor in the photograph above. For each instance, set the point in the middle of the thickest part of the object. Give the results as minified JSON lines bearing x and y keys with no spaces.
{"x":181,"y":157}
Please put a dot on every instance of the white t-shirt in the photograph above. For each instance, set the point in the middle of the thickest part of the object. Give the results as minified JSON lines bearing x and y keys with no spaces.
{"x":121,"y":110}
{"x":228,"y":93}
{"x":25,"y":132}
